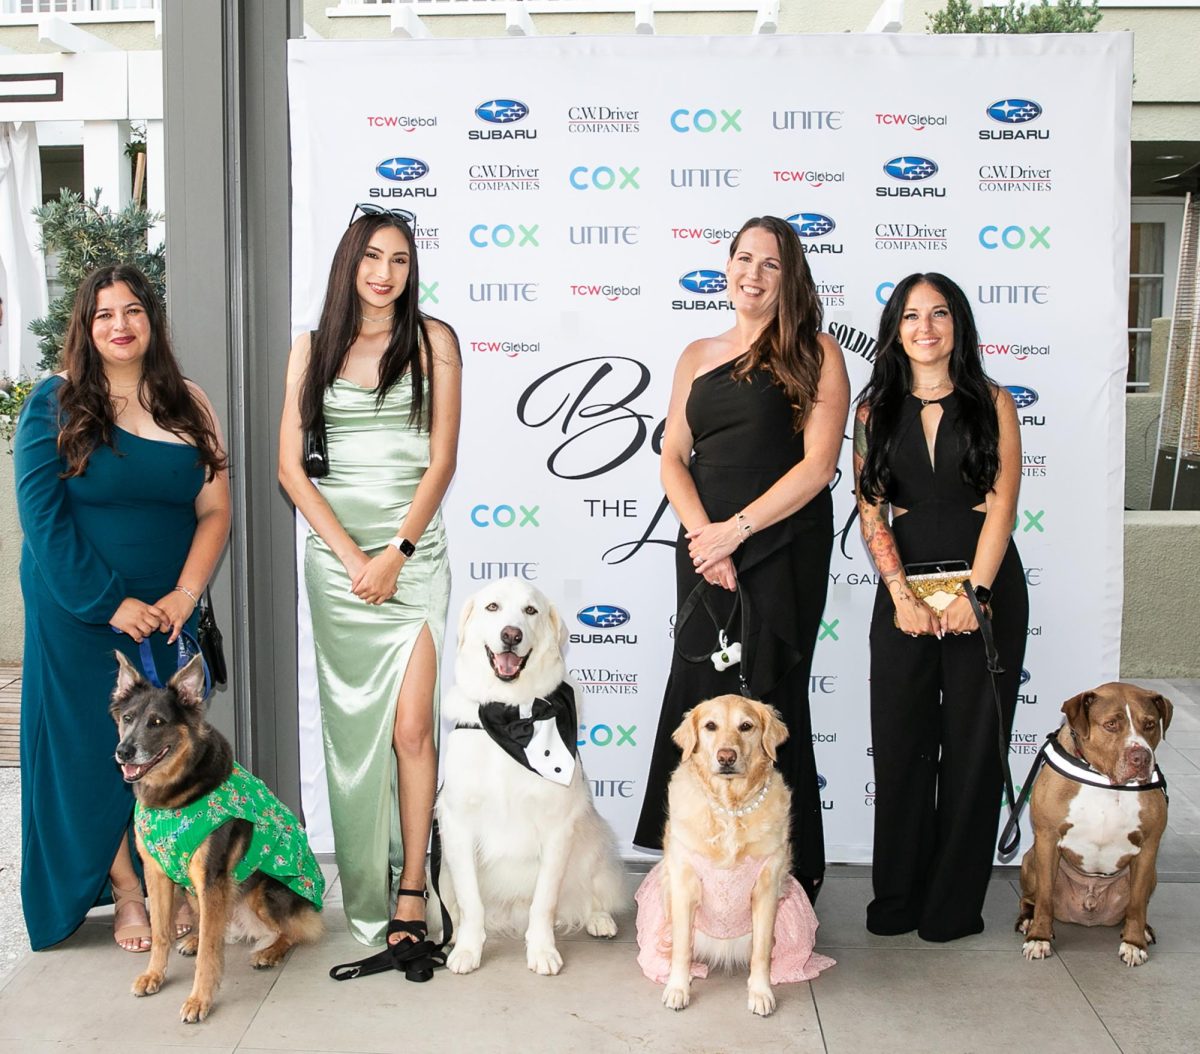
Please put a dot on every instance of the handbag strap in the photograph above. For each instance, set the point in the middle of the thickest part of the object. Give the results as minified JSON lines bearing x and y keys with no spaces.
{"x":699,"y":596}
{"x":186,"y":649}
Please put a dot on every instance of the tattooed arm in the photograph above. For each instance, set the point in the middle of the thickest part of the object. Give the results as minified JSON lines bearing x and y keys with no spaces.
{"x":912,"y":616}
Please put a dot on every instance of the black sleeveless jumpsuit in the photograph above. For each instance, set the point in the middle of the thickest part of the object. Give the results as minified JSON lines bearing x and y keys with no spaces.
{"x":743,"y":441}
{"x":938,"y":782}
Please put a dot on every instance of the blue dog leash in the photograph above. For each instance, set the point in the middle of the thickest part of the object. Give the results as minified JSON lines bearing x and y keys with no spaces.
{"x":186,"y":649}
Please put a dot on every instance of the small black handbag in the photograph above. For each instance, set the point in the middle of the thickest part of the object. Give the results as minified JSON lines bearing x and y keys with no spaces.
{"x":316,"y":454}
{"x":209,"y":638}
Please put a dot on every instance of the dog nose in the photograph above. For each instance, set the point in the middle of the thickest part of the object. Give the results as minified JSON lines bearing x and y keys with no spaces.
{"x":726,"y":756}
{"x":1138,"y":758}
{"x":124,"y":751}
{"x":511,"y":636}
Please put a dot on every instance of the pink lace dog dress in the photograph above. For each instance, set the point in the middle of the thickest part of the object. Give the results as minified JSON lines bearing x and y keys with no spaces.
{"x":724,"y":913}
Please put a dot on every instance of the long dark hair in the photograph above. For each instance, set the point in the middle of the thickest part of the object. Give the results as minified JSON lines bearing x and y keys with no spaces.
{"x":788,"y":347}
{"x":85,"y":403}
{"x":341,"y":319}
{"x":891,"y":382}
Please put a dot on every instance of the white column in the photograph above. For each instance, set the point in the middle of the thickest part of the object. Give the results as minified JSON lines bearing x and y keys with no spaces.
{"x":104,"y":162}
{"x":156,"y":184}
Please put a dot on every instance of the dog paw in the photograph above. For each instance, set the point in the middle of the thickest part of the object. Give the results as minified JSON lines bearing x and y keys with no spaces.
{"x":148,"y":983}
{"x":1132,"y":955}
{"x":601,"y":924}
{"x":194,"y":1009}
{"x":188,"y":945}
{"x":267,"y":958}
{"x":1023,"y":924}
{"x":1036,"y":950}
{"x":464,"y":958}
{"x":676,"y":997}
{"x":543,"y":959}
{"x":761,"y":1001}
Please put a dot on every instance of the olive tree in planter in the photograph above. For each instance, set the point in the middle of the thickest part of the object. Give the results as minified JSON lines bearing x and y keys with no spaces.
{"x":1067,"y":16}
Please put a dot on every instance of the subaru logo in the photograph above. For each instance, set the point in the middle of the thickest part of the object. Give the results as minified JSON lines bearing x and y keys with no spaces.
{"x":1014,"y":111}
{"x":822,"y":782}
{"x":402,"y":169}
{"x":1024,"y":675}
{"x":501,"y":111}
{"x":811,"y":224}
{"x":910,"y":169}
{"x":704,"y":281}
{"x":1023,"y":397}
{"x":603,"y":616}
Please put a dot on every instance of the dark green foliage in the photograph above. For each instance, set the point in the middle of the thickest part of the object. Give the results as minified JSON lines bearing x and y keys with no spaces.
{"x":1067,"y":16}
{"x":87,"y":235}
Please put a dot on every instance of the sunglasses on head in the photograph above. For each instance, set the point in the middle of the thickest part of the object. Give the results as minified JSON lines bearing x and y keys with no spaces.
{"x":367,"y":209}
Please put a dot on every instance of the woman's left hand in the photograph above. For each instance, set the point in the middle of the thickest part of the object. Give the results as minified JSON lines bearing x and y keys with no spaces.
{"x":178,"y":608}
{"x":376,"y":582}
{"x":711,"y":543}
{"x":958,"y":617}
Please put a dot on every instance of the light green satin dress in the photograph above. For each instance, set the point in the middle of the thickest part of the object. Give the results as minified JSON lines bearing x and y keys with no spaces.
{"x":376,"y":460}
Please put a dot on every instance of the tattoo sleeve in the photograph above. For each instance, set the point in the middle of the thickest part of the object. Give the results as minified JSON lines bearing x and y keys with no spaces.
{"x":876,"y":532}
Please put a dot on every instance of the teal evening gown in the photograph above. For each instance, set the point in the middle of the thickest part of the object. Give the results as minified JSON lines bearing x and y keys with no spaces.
{"x":122,"y":529}
{"x":376,"y":460}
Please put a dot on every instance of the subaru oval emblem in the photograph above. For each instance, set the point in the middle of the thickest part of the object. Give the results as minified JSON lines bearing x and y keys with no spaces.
{"x":501,"y":111}
{"x":1023,"y":397}
{"x":402,"y":169}
{"x":1014,"y":111}
{"x":910,"y":169}
{"x":603,"y":616}
{"x":1024,"y":675}
{"x":704,"y":281}
{"x":811,"y":224}
{"x":822,"y":782}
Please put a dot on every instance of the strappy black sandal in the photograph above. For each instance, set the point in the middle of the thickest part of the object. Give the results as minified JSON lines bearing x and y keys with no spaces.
{"x":417,"y":928}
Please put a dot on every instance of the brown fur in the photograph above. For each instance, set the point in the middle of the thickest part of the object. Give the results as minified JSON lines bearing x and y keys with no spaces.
{"x":198,"y":759}
{"x":753,"y":733}
{"x":1097,"y":728}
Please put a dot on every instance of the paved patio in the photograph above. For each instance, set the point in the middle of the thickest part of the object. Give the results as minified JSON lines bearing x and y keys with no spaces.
{"x":885,"y":995}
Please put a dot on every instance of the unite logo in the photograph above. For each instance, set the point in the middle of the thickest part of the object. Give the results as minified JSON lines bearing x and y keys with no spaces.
{"x":705,"y":283}
{"x":811,"y":225}
{"x":500,"y":114}
{"x":706,"y":178}
{"x":503,"y":292}
{"x":705,"y":121}
{"x":807,"y":120}
{"x":402,"y":170}
{"x":1014,"y":294}
{"x":609,"y":234}
{"x":1014,"y":114}
{"x":909,"y":170}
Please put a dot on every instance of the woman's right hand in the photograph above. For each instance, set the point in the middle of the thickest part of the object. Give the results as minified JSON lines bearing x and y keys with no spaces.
{"x":354,"y":562}
{"x":915,"y":617}
{"x":722,"y":574}
{"x":138,"y":619}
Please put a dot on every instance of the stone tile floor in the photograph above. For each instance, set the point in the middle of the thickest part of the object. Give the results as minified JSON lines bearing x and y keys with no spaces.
{"x":885,"y":996}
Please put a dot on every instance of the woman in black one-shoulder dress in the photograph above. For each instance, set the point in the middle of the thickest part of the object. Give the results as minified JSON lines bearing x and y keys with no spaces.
{"x":753,"y":432}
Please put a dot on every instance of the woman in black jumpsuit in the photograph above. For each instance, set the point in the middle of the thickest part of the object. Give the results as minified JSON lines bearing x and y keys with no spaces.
{"x":939,"y":443}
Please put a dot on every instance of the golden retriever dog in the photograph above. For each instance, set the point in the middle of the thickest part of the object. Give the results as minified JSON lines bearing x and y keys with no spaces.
{"x":522,"y":843}
{"x":723,"y":894}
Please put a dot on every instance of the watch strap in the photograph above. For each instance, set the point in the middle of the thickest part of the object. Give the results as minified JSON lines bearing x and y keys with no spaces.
{"x":403,"y":546}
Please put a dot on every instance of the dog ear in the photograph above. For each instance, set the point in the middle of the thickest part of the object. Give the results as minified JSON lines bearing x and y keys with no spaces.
{"x":687,"y":736}
{"x":1163,"y":705}
{"x":559,"y":627}
{"x":774,"y":730}
{"x":189,"y":683}
{"x":1076,"y":709}
{"x":128,"y":678}
{"x":463,"y":617}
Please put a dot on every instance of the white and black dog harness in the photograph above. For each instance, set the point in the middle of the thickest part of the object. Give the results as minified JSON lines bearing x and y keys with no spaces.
{"x":544,"y":740}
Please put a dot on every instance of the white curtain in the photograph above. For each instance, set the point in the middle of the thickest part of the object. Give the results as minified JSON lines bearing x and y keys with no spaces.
{"x":22,"y":266}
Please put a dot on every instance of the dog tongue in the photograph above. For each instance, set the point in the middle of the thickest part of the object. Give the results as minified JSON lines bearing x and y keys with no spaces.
{"x":508,"y":663}
{"x":131,"y":772}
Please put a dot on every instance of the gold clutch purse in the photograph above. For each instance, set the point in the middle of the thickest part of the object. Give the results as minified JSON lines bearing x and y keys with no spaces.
{"x":938,"y":583}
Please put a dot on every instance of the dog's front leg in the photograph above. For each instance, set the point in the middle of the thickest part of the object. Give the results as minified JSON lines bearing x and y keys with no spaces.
{"x":541,"y":953}
{"x":214,"y":892}
{"x":162,"y":897}
{"x":1040,"y":932}
{"x":683,"y":899}
{"x":1135,"y":933}
{"x":764,"y":904}
{"x":458,"y":854}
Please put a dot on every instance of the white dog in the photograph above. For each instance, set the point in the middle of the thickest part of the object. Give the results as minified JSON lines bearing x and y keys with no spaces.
{"x":522,"y":842}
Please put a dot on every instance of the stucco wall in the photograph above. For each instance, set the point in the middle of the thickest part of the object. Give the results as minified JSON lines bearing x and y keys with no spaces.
{"x":1159,"y":636}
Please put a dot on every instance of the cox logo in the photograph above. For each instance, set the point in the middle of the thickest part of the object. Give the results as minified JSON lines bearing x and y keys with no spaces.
{"x":1014,"y":111}
{"x":501,"y":111}
{"x":704,"y":281}
{"x":604,"y":735}
{"x":1014,"y":237}
{"x":604,"y":178}
{"x":504,"y":516}
{"x":1023,"y":397}
{"x":402,"y":169}
{"x":910,"y":169}
{"x":811,"y":224}
{"x":603,"y":616}
{"x":705,"y":121}
{"x":503,"y":236}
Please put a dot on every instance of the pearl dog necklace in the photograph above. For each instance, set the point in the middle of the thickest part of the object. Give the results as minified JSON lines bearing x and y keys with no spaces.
{"x":746,"y":808}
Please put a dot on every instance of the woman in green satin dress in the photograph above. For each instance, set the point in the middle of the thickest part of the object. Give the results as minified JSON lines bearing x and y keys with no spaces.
{"x":385,"y":381}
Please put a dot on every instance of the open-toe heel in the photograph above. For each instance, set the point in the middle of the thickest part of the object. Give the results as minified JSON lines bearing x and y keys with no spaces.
{"x":132,"y":931}
{"x":418,"y":929}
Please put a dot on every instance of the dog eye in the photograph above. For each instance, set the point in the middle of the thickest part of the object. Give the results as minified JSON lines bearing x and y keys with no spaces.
{"x":154,"y":722}
{"x":493,"y":606}
{"x":1112,"y":726}
{"x":530,"y":609}
{"x":711,"y":726}
{"x":745,"y":726}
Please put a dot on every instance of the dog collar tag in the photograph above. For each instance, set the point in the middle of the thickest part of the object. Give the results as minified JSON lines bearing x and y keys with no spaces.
{"x":548,"y":755}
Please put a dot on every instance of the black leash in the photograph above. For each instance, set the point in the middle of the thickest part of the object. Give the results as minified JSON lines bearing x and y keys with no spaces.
{"x":415,"y":959}
{"x":698,"y":596}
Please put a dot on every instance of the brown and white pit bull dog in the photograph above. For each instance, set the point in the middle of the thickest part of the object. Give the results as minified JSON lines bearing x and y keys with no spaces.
{"x":1096,"y":833}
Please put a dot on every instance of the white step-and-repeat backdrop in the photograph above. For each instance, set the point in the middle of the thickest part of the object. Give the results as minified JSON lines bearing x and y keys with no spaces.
{"x":575,"y":200}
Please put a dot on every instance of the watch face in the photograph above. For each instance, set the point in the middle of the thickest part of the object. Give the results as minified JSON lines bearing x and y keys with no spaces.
{"x":406,"y":547}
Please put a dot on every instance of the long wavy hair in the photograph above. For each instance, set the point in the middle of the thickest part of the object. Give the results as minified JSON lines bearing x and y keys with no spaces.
{"x":788,"y":347}
{"x":86,"y":418}
{"x":891,"y":382}
{"x":341,"y":319}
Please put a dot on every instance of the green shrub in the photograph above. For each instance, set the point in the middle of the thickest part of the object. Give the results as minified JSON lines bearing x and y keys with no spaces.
{"x":1067,"y":16}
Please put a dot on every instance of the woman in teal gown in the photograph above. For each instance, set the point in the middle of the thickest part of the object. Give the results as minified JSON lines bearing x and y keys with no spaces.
{"x":124,"y":507}
{"x":384,"y":382}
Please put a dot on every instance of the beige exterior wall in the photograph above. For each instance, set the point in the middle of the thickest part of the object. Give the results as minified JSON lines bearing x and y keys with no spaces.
{"x":127,"y":36}
{"x":12,"y":610}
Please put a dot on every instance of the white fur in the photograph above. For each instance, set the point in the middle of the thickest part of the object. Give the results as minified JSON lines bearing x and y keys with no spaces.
{"x":1101,"y":823}
{"x":520,"y":851}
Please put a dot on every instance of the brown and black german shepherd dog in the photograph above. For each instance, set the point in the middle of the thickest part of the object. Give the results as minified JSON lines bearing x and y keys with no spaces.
{"x":172,"y":756}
